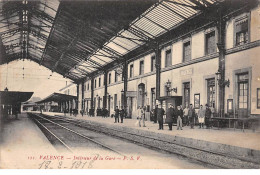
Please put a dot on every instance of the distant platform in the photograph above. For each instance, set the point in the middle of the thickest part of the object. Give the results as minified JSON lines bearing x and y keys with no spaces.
{"x":21,"y":141}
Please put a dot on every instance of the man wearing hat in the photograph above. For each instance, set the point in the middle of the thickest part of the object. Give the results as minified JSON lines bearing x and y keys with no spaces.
{"x":160,"y":113}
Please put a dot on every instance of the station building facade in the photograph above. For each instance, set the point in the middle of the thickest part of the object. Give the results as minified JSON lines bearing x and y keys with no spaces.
{"x":70,"y":89}
{"x":189,"y":72}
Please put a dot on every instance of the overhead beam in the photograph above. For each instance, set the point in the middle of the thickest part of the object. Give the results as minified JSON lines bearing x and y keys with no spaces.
{"x":185,"y":5}
{"x":120,"y":45}
{"x":132,"y":39}
{"x":64,"y":52}
{"x":156,"y":23}
{"x":173,"y":11}
{"x":50,"y":34}
{"x":144,"y":31}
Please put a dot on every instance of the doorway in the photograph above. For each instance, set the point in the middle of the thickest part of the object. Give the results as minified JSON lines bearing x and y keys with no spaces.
{"x":141,"y":94}
{"x":186,"y":96}
{"x":242,"y":94}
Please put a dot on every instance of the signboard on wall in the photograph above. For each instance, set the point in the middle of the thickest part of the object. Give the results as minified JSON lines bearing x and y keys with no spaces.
{"x":186,"y":72}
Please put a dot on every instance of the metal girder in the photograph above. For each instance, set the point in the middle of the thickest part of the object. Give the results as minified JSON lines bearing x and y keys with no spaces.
{"x":38,"y":35}
{"x":144,"y":31}
{"x":50,"y":34}
{"x":32,"y":41}
{"x":109,"y":51}
{"x":94,"y":62}
{"x":11,"y":46}
{"x":87,"y":67}
{"x":173,"y":11}
{"x":206,"y":2}
{"x":185,"y":5}
{"x":90,"y":45}
{"x":199,"y":5}
{"x":102,"y":55}
{"x":84,"y":47}
{"x":72,"y":59}
{"x":64,"y":52}
{"x":139,"y":33}
{"x":42,"y":15}
{"x":70,"y":74}
{"x":155,"y":23}
{"x":5,"y":42}
{"x":120,"y":45}
{"x":48,"y":6}
{"x":133,"y":40}
{"x":46,"y":25}
{"x":100,"y":59}
{"x":35,"y":47}
{"x":81,"y":71}
{"x":10,"y":31}
{"x":7,"y":18}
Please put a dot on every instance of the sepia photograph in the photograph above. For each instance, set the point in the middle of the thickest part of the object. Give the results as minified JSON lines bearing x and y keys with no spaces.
{"x":130,"y":85}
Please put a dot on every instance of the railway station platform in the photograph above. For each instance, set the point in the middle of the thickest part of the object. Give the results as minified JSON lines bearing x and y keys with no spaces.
{"x":228,"y":136}
{"x":21,"y":142}
{"x":235,"y":143}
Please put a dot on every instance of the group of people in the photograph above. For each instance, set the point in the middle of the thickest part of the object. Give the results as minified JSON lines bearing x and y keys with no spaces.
{"x":71,"y":111}
{"x":188,"y":115}
{"x":119,"y":113}
{"x":171,"y":114}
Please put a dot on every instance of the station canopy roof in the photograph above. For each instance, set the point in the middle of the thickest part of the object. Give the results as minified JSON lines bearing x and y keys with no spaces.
{"x":76,"y":38}
{"x":57,"y":97}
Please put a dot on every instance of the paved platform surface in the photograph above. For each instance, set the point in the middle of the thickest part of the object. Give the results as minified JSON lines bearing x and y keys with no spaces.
{"x":246,"y":139}
{"x":22,"y":139}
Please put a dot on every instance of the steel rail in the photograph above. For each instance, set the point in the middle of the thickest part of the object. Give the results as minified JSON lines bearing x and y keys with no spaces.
{"x":64,"y":144}
{"x":82,"y":135}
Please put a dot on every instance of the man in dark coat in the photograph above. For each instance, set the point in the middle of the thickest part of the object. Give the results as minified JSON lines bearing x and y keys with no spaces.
{"x":116,"y":115}
{"x":155,"y":114}
{"x":160,"y":113}
{"x":122,"y":114}
{"x":192,"y":116}
{"x":170,"y":114}
{"x":207,"y":116}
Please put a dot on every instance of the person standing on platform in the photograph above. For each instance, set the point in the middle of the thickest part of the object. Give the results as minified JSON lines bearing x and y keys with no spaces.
{"x":160,"y":113}
{"x":179,"y":114}
{"x":192,"y":116}
{"x":201,"y":116}
{"x":155,"y":114}
{"x":170,"y":114}
{"x":103,"y":113}
{"x":82,"y":112}
{"x":142,"y":116}
{"x":122,"y":114}
{"x":207,"y":116}
{"x":70,"y":111}
{"x":186,"y":115}
{"x":106,"y":113}
{"x":116,"y":115}
{"x":139,"y":112}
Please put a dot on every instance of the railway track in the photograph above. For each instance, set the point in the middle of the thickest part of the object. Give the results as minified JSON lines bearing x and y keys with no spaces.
{"x":54,"y":131}
{"x":211,"y":158}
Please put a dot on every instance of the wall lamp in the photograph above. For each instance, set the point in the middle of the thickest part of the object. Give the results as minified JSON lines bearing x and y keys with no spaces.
{"x":221,"y":82}
{"x":168,"y":87}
